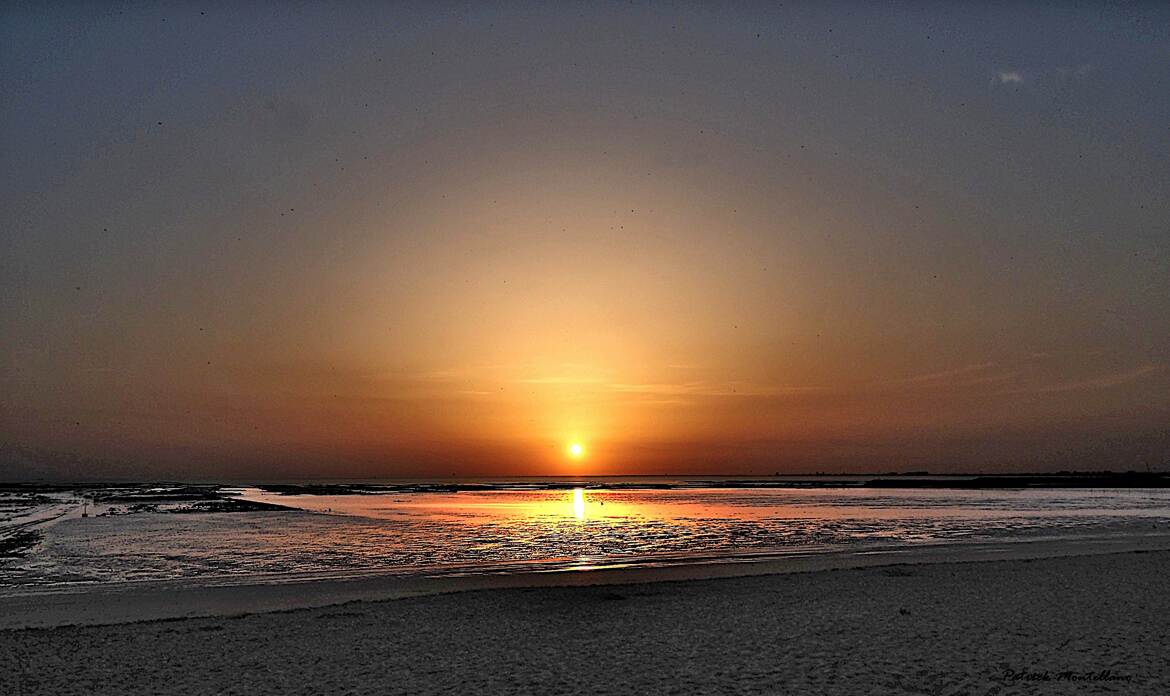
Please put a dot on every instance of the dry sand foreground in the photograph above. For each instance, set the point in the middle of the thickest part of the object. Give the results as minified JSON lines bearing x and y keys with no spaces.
{"x":1091,"y":624}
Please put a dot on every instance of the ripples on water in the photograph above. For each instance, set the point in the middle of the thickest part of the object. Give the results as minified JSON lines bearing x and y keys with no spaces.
{"x":508,"y":530}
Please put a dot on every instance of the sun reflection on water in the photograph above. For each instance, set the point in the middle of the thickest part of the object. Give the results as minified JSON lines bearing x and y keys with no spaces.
{"x":579,"y":503}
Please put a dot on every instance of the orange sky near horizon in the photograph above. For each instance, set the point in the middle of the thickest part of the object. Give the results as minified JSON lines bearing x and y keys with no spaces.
{"x":431,"y":254}
{"x":542,"y":301}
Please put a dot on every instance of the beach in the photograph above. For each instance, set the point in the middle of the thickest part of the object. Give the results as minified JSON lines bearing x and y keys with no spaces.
{"x":1068,"y":624}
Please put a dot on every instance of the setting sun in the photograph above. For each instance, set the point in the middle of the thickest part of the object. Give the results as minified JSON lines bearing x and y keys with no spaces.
{"x":576,"y":450}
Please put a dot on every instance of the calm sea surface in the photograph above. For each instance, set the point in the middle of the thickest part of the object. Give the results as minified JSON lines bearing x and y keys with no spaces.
{"x":520,"y":528}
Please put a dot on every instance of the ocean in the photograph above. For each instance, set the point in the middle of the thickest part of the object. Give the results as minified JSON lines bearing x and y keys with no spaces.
{"x":65,"y":537}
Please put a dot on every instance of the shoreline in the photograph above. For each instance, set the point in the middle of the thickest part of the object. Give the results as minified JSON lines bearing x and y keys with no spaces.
{"x":131,"y":602}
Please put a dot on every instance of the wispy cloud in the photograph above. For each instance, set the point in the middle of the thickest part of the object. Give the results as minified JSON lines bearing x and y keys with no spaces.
{"x":1075,"y":71}
{"x":1063,"y":353}
{"x":710,"y":389}
{"x":990,"y":378}
{"x":942,"y":376}
{"x":1115,"y":379}
{"x":560,"y":380}
{"x":1058,"y":75}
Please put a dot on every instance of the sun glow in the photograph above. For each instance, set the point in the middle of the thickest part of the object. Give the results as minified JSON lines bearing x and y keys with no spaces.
{"x":575,"y":450}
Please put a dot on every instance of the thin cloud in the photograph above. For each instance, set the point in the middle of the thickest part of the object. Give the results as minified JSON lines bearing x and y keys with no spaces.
{"x":710,"y":389}
{"x":1100,"y":382}
{"x":943,"y":376}
{"x":1052,"y":354}
{"x":1060,"y":74}
{"x":560,"y":380}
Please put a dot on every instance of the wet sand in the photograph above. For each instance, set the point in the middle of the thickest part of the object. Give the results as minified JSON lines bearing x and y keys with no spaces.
{"x":1074,"y":624}
{"x":106,"y":603}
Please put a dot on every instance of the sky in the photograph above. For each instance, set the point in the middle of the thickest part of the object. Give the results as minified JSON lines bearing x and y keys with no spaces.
{"x":325,"y":240}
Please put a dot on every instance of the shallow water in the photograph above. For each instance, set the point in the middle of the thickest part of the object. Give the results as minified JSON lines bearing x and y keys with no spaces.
{"x":513,"y":529}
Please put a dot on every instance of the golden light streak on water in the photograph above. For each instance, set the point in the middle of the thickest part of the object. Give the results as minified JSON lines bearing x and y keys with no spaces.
{"x":579,"y":503}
